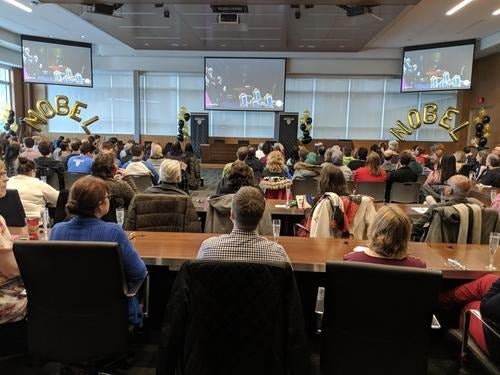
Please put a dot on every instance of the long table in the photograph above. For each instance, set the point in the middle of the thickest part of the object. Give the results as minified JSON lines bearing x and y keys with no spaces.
{"x":311,"y":254}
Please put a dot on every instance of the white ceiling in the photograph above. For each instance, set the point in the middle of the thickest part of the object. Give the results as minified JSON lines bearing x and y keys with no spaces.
{"x":403,"y":25}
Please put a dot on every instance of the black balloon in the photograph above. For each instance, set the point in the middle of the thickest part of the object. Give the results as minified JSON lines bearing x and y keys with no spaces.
{"x":181,"y":123}
{"x":180,"y":137}
{"x":482,"y":141}
{"x":187,"y":116}
{"x":309,"y":121}
{"x":479,"y":127}
{"x":486,"y":119}
{"x":306,"y":133}
{"x":306,"y":140}
{"x":303,"y":127}
{"x":479,"y":133}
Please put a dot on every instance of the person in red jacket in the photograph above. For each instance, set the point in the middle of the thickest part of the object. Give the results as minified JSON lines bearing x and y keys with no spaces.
{"x":371,"y":172}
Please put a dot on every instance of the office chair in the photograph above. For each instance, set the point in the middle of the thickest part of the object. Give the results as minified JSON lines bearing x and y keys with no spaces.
{"x":142,"y":182}
{"x":77,"y":300}
{"x":304,"y":187}
{"x":377,"y":318}
{"x":228,"y":317}
{"x":12,"y":210}
{"x":70,"y":178}
{"x":376,"y":190}
{"x":404,"y":192}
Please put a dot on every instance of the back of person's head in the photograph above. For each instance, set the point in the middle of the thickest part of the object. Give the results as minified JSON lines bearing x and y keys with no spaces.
{"x":405,"y":158}
{"x":448,"y":167}
{"x":44,"y":148}
{"x":113,"y":140}
{"x":394,"y":145}
{"x":459,"y":156}
{"x":75,"y":144}
{"x":91,"y":139}
{"x":87,"y":148}
{"x":136,"y":150}
{"x":492,"y":160}
{"x":241,"y":153}
{"x":460,"y":186}
{"x":321,"y":150}
{"x":438,"y":149}
{"x":311,"y":158}
{"x":347,"y":151}
{"x":63,"y":146}
{"x":251,"y":151}
{"x":170,"y":171}
{"x":188,"y":149}
{"x":107,"y":147}
{"x":303,"y":153}
{"x":104,"y":166}
{"x":176,"y":149}
{"x":29,"y":142}
{"x":481,"y":157}
{"x":156,"y":151}
{"x":267,"y":147}
{"x":275,"y":162}
{"x":167,"y":148}
{"x":86,"y":195}
{"x":362,"y":153}
{"x":390,"y":232}
{"x":25,"y":166}
{"x":388,"y":155}
{"x":337,"y":158}
{"x":239,"y":175}
{"x":373,"y":163}
{"x":467,"y":149}
{"x":332,"y":180}
{"x":375,"y":148}
{"x":248,"y":207}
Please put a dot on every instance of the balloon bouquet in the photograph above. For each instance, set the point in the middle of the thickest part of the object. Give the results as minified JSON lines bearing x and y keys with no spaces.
{"x":483,"y":126}
{"x":306,"y":126}
{"x":183,"y":130}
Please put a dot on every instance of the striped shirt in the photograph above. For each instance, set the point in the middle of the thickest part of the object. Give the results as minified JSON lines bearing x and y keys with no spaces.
{"x":242,"y":245}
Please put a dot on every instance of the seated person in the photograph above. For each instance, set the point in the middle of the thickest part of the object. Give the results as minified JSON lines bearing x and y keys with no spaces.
{"x":13,"y":300}
{"x":371,"y":172}
{"x":456,"y":191}
{"x":402,"y":174}
{"x":492,"y":175}
{"x":308,"y":169}
{"x":82,"y":163}
{"x":138,"y":167}
{"x":482,"y":294}
{"x":388,"y":240}
{"x":170,"y":176}
{"x":360,"y":161}
{"x":47,"y":166}
{"x":35,"y":195}
{"x":89,"y":201}
{"x":243,"y":243}
{"x":241,"y":155}
{"x":237,"y":178}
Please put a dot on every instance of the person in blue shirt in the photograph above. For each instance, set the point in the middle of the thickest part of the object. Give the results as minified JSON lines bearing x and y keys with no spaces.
{"x":89,"y":201}
{"x":82,"y":163}
{"x":137,"y":166}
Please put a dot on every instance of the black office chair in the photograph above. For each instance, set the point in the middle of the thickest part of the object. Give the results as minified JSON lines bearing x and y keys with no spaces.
{"x":404,"y":192}
{"x":12,"y":209}
{"x":234,"y":318}
{"x":304,"y":187}
{"x":377,"y":318}
{"x":376,"y":190}
{"x":77,"y":300}
{"x":142,"y":182}
{"x":70,"y":178}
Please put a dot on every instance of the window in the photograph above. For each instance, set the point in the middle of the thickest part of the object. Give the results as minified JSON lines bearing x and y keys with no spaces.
{"x":111,"y":98}
{"x":5,"y":99}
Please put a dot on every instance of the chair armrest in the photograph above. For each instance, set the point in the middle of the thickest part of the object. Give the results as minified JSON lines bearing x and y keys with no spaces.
{"x":465,"y":330}
{"x":131,"y":292}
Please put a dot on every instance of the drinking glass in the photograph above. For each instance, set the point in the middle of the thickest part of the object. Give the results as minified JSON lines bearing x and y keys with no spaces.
{"x":494,"y":238}
{"x":276,"y":229}
{"x":493,"y":194}
{"x":120,"y":216}
{"x":45,"y":223}
{"x":288,"y":192}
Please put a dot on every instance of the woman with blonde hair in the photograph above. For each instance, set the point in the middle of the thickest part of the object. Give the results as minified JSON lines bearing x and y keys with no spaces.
{"x":275,"y":166}
{"x":388,"y":237}
{"x":371,"y":172}
{"x":156,"y":156}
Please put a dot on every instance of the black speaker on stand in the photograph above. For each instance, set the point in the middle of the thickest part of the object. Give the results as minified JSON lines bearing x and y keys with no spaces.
{"x":199,"y":131}
{"x":285,"y":130}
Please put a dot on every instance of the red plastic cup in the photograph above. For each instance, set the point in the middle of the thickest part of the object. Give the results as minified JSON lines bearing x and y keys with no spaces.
{"x":33,"y":223}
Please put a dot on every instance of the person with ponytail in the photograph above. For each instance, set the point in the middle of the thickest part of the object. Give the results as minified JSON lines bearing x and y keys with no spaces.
{"x":89,"y":201}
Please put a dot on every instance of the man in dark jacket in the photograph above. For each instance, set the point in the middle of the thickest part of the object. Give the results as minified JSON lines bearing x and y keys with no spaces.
{"x":253,"y":162}
{"x":492,"y":175}
{"x":170,"y":176}
{"x":47,"y":166}
{"x":403,"y":174}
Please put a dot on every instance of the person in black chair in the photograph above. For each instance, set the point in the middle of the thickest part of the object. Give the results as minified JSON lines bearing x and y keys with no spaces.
{"x":89,"y":201}
{"x":47,"y":166}
{"x":403,"y":174}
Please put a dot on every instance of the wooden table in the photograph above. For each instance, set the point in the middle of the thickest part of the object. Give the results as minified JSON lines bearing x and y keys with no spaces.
{"x":482,"y":194}
{"x":310,"y":254}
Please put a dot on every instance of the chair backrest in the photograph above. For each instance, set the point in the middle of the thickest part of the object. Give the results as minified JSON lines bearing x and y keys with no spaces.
{"x":376,"y":190}
{"x":161,"y":213}
{"x":305,"y":187}
{"x":142,"y":182}
{"x":11,"y":208}
{"x":404,"y":192}
{"x":70,"y":178}
{"x":236,"y":318}
{"x":421,"y":178}
{"x":77,"y":306}
{"x":377,"y":318}
{"x":53,"y":180}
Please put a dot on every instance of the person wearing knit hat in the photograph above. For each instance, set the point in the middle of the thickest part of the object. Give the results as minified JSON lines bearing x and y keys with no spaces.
{"x":311,"y":158}
{"x":308,"y":169}
{"x":170,"y":176}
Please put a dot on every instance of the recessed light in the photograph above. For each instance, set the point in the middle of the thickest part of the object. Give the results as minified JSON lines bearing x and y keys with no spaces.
{"x":146,"y":44}
{"x":341,"y":46}
{"x":175,"y":44}
{"x":261,"y":46}
{"x":311,"y":46}
{"x":184,"y":44}
{"x":222,"y":45}
{"x":301,"y":46}
{"x":457,"y":7}
{"x":51,"y":36}
{"x":496,"y":12}
{"x":82,"y":36}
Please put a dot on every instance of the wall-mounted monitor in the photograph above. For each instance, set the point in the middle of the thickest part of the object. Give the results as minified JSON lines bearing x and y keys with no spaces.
{"x":244,"y":84}
{"x":438,"y":67}
{"x":56,"y":62}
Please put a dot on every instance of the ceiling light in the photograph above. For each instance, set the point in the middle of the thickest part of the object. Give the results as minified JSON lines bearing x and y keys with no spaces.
{"x":82,"y":36}
{"x":19,"y":5}
{"x":457,"y":7}
{"x":496,"y":12}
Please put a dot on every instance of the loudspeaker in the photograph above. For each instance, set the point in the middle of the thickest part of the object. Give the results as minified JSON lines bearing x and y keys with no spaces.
{"x":285,"y":130}
{"x":199,"y":131}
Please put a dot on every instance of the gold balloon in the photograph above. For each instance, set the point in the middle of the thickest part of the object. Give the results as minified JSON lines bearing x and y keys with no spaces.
{"x":309,"y":127}
{"x":482,"y":112}
{"x":474,"y":141}
{"x":302,"y":120}
{"x":307,"y":114}
{"x":486,"y":134}
{"x":62,"y":107}
{"x":185,"y":131}
{"x":477,"y":120}
{"x":75,"y":111}
{"x":486,"y":128}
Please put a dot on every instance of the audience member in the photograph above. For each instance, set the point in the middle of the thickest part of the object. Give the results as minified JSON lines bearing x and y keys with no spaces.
{"x":394,"y":147}
{"x":308,"y":169}
{"x":460,"y":159}
{"x":11,"y":154}
{"x":294,"y":158}
{"x":193,"y":167}
{"x":89,"y":201}
{"x":456,"y":191}
{"x":243,"y":243}
{"x":75,"y":151}
{"x":338,"y":161}
{"x":110,"y":148}
{"x":388,"y":237}
{"x":436,"y":180}
{"x":387,"y":165}
{"x":266,"y":149}
{"x":238,"y":177}
{"x":241,"y":155}
{"x":138,"y":167}
{"x":371,"y":172}
{"x":29,"y":153}
{"x":360,"y":161}
{"x":419,"y":154}
{"x":481,"y":168}
{"x":167,"y":148}
{"x":156,"y":156}
{"x":35,"y":195}
{"x":47,"y":166}
{"x":321,"y":154}
{"x":347,"y":155}
{"x":253,"y":162}
{"x":403,"y":174}
{"x":13,"y":300}
{"x":125,"y":154}
{"x":170,"y":177}
{"x":82,"y":163}
{"x":332,"y":180}
{"x":492,"y":175}
{"x":259,"y":153}
{"x":275,"y":166}
{"x":176,"y":153}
